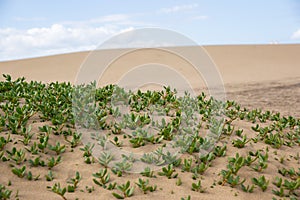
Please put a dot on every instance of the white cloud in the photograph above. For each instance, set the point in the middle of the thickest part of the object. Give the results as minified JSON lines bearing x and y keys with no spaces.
{"x":178,"y":8}
{"x":116,"y":19}
{"x":58,"y":38}
{"x":24,"y":19}
{"x":63,"y":37}
{"x":200,"y":17}
{"x":296,"y":35}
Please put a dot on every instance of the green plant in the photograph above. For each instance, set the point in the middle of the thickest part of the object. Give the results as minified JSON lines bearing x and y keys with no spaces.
{"x":52,"y":162}
{"x":89,"y":189}
{"x":58,"y":149}
{"x":46,"y":129}
{"x":261,"y":182}
{"x":112,"y":186}
{"x":30,"y":176}
{"x":4,"y":192}
{"x":148,"y":173}
{"x":235,"y":163}
{"x":248,"y":188}
{"x":37,"y":162}
{"x":87,"y":150}
{"x":279,"y":192}
{"x":262,"y":162}
{"x":220,"y":151}
{"x":187,"y":165}
{"x":188,"y":198}
{"x":19,"y":156}
{"x":56,"y":188}
{"x":200,"y":168}
{"x":105,"y":158}
{"x":43,"y":143}
{"x":33,"y":149}
{"x":125,"y":189}
{"x":168,"y":172}
{"x":120,"y":167}
{"x":117,"y":142}
{"x":232,"y":180}
{"x":240,"y":143}
{"x":74,"y":181}
{"x":144,"y":186}
{"x":4,"y":141}
{"x":20,"y":172}
{"x":277,"y":182}
{"x":76,"y":139}
{"x":198,"y":187}
{"x":102,"y":176}
{"x":87,"y":153}
{"x":291,"y":186}
{"x":290,"y":172}
{"x":276,"y":140}
{"x":49,"y":176}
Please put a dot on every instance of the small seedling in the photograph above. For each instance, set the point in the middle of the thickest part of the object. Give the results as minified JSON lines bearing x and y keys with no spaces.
{"x":20,"y":172}
{"x":102,"y":176}
{"x":168,"y":172}
{"x":58,"y":149}
{"x":261,"y":182}
{"x":126,"y":190}
{"x":37,"y":162}
{"x":49,"y":176}
{"x":240,"y":143}
{"x":248,"y":188}
{"x":33,"y":149}
{"x":58,"y":190}
{"x":74,"y":181}
{"x":279,"y":192}
{"x":148,"y":173}
{"x":87,"y":150}
{"x":76,"y":139}
{"x":116,"y":142}
{"x":89,"y":189}
{"x":105,"y":158}
{"x":112,"y":186}
{"x":120,"y":167}
{"x":144,"y":186}
{"x":278,"y":182}
{"x":187,"y":165}
{"x":52,"y":162}
{"x":235,"y":163}
{"x":220,"y":151}
{"x":188,"y":198}
{"x":200,"y":168}
{"x":4,"y":193}
{"x":18,"y":156}
{"x":43,"y":143}
{"x":262,"y":162}
{"x":198,"y":187}
{"x":178,"y":182}
{"x":30,"y":176}
{"x":4,"y":141}
{"x":291,"y":186}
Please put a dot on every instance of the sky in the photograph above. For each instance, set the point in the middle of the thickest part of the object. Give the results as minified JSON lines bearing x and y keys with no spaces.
{"x":31,"y":28}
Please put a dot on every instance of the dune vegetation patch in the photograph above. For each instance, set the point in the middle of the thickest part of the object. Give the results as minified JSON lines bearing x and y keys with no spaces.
{"x":245,"y":153}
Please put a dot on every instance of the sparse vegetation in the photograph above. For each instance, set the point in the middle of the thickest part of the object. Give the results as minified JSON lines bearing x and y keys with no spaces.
{"x":37,"y":124}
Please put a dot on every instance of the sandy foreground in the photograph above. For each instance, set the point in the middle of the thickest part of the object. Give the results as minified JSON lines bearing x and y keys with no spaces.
{"x":256,"y":76}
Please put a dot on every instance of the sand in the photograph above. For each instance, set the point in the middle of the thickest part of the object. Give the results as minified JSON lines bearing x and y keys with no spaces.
{"x":256,"y":76}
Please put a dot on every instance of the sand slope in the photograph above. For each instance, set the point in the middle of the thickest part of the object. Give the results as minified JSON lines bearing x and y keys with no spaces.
{"x":248,"y":71}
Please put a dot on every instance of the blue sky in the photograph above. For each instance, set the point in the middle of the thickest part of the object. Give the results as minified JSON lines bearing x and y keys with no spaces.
{"x":35,"y":28}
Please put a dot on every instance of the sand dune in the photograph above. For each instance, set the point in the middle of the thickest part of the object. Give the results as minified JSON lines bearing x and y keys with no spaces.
{"x":247,"y":71}
{"x":256,"y":76}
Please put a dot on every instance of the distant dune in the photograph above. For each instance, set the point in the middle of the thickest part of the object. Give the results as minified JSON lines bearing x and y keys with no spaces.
{"x":243,"y":68}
